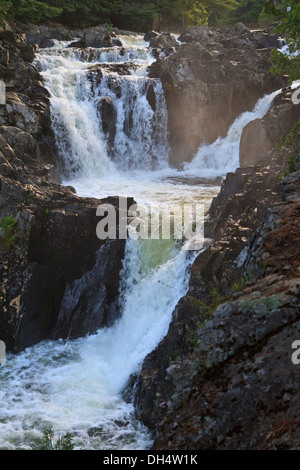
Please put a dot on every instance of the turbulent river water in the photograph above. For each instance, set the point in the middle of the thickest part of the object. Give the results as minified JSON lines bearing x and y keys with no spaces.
{"x":75,"y":385}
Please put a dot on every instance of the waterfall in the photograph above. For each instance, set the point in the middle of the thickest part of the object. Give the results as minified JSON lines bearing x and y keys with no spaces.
{"x":75,"y":385}
{"x":80,"y":82}
{"x":223,"y":155}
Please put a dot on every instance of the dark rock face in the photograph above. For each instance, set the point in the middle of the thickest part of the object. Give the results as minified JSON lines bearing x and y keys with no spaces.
{"x":91,"y":302}
{"x":43,"y":36}
{"x":244,"y":394}
{"x":55,"y":253}
{"x":244,"y":389}
{"x":241,"y":204}
{"x":108,"y":116}
{"x":26,"y":114}
{"x":208,"y":82}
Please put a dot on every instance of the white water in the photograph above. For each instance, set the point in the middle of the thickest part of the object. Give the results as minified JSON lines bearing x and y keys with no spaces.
{"x":75,"y":385}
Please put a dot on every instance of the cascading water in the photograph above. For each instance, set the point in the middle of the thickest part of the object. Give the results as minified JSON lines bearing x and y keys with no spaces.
{"x":75,"y":385}
{"x":208,"y":156}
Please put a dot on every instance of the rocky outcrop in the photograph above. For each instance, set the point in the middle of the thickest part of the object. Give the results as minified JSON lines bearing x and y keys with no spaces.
{"x":27,"y":106}
{"x":108,"y":118}
{"x":212,"y":77}
{"x":50,"y":258}
{"x":261,"y":136}
{"x":99,"y":36}
{"x":43,"y":35}
{"x":234,"y":214}
{"x":164,"y":41}
{"x":151,"y":34}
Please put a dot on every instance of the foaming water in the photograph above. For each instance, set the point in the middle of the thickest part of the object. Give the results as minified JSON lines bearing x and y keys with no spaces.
{"x":75,"y":385}
{"x":78,"y":79}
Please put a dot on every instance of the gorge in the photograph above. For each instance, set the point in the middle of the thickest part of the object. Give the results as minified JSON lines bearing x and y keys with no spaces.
{"x":101,"y":334}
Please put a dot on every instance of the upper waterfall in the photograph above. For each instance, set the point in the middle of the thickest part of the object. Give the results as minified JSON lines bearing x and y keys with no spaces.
{"x":107,"y":114}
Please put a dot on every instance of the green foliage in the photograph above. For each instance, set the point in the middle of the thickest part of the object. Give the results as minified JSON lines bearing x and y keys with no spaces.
{"x":27,"y":10}
{"x":141,"y":15}
{"x":285,"y":65}
{"x":47,"y":441}
{"x":249,"y":11}
{"x":8,"y":231}
{"x":239,"y":285}
{"x":246,"y":11}
{"x":263,"y":305}
{"x":5,"y":8}
{"x":137,"y":15}
{"x":290,"y":141}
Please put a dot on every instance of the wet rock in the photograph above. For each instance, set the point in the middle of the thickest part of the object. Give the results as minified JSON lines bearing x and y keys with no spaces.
{"x":52,"y":261}
{"x":151,"y":97}
{"x":4,"y":57}
{"x":91,"y":302}
{"x":116,"y":42}
{"x":108,"y":119}
{"x":99,"y":36}
{"x":151,"y":34}
{"x":43,"y":35}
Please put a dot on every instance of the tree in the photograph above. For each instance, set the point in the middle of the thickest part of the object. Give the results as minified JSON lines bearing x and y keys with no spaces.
{"x":289,"y":27}
{"x":32,"y":11}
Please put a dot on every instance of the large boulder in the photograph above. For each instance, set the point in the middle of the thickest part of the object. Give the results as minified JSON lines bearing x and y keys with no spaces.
{"x":151,"y":34}
{"x":21,"y":142}
{"x":22,"y":116}
{"x":44,"y":36}
{"x":99,"y":36}
{"x":163,"y":41}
